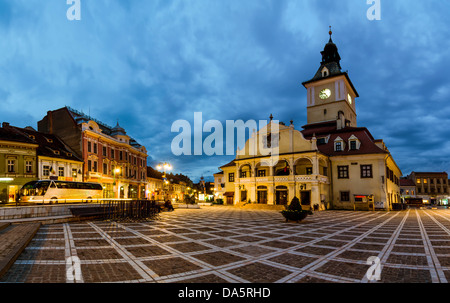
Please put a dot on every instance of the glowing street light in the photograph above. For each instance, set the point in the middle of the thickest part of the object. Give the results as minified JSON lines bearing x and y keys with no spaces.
{"x":164,"y":167}
{"x":116,"y":172}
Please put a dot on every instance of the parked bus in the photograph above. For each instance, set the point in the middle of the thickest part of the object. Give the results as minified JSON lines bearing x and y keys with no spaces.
{"x":49,"y":191}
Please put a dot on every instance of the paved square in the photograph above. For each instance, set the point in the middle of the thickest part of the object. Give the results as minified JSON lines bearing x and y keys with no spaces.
{"x":226,"y":244}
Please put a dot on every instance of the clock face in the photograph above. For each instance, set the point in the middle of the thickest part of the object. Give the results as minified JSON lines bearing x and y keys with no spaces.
{"x":325,"y":94}
{"x":349,"y":99}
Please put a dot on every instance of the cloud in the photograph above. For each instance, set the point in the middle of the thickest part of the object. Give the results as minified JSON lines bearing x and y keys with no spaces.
{"x":147,"y":64}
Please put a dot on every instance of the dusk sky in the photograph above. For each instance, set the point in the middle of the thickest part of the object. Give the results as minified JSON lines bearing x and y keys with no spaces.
{"x":149,"y":63}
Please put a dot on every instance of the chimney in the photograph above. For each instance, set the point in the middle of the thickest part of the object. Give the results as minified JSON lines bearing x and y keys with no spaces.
{"x":5,"y":124}
{"x":50,"y":122}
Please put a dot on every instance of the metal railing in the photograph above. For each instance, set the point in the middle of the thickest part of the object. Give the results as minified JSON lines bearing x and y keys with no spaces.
{"x":119,"y":210}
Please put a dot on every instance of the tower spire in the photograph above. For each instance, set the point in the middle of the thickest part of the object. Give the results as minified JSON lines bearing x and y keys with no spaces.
{"x":331,"y":33}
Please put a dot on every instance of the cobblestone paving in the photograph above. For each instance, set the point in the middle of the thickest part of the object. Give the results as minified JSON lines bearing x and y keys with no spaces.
{"x":224,"y":244}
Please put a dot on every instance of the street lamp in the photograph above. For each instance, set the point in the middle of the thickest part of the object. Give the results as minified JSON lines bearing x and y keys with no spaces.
{"x":116,"y":172}
{"x":164,"y":167}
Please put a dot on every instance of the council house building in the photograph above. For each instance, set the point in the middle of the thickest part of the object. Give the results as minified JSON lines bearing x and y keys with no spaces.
{"x":332,"y":163}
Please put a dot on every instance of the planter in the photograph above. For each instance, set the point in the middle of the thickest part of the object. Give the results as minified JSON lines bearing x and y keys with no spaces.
{"x":294,"y":215}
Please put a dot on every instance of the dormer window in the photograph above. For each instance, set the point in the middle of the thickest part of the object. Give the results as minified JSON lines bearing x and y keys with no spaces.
{"x":339,"y":144}
{"x":354,"y":143}
{"x":49,"y":140}
{"x":321,"y":141}
{"x":325,"y":72}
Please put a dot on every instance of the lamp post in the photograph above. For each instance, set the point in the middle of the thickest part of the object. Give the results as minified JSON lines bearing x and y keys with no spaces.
{"x":116,"y":171}
{"x":164,"y":167}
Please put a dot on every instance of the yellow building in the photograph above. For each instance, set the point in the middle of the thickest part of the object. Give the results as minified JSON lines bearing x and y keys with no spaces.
{"x":330,"y":164}
{"x":18,"y":162}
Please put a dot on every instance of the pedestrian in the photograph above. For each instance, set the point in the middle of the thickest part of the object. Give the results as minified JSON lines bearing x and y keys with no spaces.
{"x":168,"y":205}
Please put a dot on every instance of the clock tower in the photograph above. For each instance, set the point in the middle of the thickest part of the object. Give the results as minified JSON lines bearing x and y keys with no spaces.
{"x":331,"y":94}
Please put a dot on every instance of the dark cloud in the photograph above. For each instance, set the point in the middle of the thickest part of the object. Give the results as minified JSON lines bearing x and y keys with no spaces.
{"x":147,"y":64}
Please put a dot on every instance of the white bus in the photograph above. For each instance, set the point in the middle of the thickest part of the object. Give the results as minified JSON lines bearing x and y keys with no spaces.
{"x":50,"y":191}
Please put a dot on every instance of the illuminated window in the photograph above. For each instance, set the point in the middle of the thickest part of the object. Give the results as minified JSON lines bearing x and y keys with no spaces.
{"x":231,"y":177}
{"x":343,"y":172}
{"x":11,"y":166}
{"x":425,"y":181}
{"x":366,"y":171}
{"x":418,"y":181}
{"x":61,"y":171}
{"x":29,"y":167}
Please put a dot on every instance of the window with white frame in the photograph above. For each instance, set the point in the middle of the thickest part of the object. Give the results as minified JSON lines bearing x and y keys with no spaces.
{"x":11,"y":166}
{"x":46,"y":170}
{"x":28,"y":167}
{"x":354,"y":143}
{"x":339,"y":144}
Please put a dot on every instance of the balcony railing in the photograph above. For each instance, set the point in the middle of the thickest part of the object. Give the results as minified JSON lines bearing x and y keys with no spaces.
{"x":294,"y":178}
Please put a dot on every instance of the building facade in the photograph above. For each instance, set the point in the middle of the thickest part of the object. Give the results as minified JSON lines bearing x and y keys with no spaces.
{"x":408,"y":189}
{"x":110,"y":156}
{"x":56,"y":160}
{"x":219,"y":186}
{"x":432,"y":187}
{"x":18,"y":163}
{"x":330,"y":164}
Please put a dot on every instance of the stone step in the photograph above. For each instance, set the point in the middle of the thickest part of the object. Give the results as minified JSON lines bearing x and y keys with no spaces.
{"x":13,"y":240}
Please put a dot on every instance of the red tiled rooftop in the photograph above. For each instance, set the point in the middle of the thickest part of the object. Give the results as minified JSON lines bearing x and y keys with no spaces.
{"x":407,"y":182}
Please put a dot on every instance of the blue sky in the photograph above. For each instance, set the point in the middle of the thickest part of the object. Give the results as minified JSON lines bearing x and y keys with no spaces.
{"x":149,"y":63}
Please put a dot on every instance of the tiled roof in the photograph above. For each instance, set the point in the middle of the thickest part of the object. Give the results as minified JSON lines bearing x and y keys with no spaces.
{"x":49,"y":145}
{"x":407,"y":182}
{"x":8,"y":134}
{"x":232,"y":163}
{"x":153,"y":173}
{"x":430,"y":173}
{"x":367,"y":146}
{"x":81,"y":117}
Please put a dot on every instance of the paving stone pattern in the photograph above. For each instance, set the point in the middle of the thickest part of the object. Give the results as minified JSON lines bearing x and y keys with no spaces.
{"x":229,"y":245}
